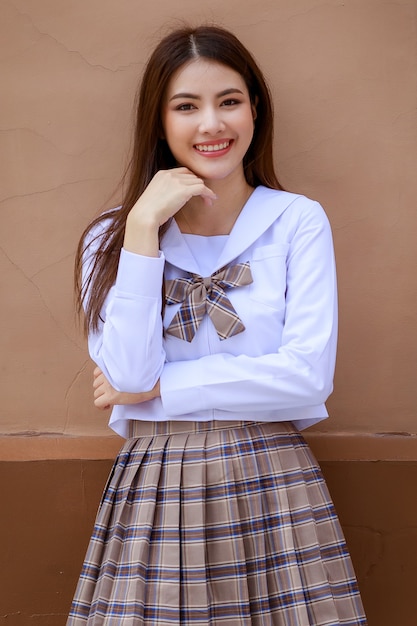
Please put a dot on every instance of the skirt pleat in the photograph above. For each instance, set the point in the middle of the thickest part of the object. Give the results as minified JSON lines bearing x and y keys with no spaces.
{"x":221,"y":525}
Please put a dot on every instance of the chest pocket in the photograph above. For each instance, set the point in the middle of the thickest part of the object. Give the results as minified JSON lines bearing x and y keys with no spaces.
{"x":269,"y":272}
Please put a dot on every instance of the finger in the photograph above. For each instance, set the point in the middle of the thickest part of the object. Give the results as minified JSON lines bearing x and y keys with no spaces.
{"x":99,"y":404}
{"x":100,"y":380}
{"x":197,"y":187}
{"x":188,"y":177}
{"x":209,"y":198}
{"x":98,"y":392}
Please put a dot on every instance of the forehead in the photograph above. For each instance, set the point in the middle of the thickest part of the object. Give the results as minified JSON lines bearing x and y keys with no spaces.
{"x":206,"y":75}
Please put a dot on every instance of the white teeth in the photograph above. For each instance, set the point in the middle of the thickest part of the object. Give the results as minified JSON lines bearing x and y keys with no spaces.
{"x":213,"y":147}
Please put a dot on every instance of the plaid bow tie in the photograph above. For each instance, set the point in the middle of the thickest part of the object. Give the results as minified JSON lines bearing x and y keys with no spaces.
{"x":206,"y":295}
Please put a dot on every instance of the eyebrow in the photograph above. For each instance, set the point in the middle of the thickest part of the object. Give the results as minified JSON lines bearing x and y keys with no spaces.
{"x":192,"y":96}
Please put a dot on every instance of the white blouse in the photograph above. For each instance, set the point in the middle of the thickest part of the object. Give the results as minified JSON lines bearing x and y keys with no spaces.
{"x":206,"y":251}
{"x":279,"y":368}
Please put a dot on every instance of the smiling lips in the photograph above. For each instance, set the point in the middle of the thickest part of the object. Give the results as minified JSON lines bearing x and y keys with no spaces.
{"x":213,"y":148}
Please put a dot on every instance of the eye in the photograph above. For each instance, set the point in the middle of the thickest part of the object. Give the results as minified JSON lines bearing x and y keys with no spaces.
{"x":230,"y":102}
{"x":186,"y":106}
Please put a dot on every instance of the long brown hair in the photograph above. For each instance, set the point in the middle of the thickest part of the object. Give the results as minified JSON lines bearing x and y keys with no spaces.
{"x":151,"y":152}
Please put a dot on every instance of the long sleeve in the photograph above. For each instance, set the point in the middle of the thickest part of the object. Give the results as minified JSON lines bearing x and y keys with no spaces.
{"x":299,"y":373}
{"x":128,"y":344}
{"x":280,"y":367}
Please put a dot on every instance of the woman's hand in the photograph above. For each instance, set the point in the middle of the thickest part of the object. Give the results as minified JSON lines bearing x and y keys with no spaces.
{"x":166,"y":194}
{"x":106,"y":396}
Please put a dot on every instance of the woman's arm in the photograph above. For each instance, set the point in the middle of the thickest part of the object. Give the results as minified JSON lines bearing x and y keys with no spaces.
{"x":299,"y":371}
{"x":128,"y":344}
{"x":106,"y":396}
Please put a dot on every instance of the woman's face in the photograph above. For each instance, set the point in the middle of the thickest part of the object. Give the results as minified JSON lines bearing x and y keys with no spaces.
{"x":208,"y":119}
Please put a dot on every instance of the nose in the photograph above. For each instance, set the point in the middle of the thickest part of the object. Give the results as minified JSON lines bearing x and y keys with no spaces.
{"x":211,"y":121}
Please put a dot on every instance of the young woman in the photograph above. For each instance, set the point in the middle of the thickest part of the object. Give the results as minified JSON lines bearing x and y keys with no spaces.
{"x":210,"y":305}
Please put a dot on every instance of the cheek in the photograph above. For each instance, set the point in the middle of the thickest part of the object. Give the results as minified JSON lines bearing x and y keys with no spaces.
{"x":247,"y":127}
{"x":175,"y":131}
{"x":247,"y":120}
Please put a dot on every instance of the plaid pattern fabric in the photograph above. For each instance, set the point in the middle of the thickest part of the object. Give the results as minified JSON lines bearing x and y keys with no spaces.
{"x":206,"y":295}
{"x":219,"y":526}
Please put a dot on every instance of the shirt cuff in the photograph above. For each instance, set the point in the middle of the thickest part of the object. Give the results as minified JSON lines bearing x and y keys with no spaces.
{"x":180,"y":387}
{"x":140,"y":275}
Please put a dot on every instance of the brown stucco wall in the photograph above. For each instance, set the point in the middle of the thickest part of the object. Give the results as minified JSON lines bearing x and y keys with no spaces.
{"x":343,"y":75}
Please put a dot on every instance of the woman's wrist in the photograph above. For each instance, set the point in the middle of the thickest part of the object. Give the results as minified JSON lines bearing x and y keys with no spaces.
{"x":141,"y":236}
{"x":125,"y":397}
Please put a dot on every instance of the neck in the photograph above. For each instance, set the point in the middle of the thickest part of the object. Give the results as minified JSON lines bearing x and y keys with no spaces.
{"x":197,"y":218}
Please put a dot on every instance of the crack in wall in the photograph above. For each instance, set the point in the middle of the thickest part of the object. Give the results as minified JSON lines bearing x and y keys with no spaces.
{"x":50,"y":189}
{"x":31,"y":131}
{"x":77,"y":53}
{"x":71,"y":386}
{"x":56,"y":322}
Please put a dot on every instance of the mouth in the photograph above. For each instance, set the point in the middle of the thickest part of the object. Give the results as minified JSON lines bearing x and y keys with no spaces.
{"x":221,"y":146}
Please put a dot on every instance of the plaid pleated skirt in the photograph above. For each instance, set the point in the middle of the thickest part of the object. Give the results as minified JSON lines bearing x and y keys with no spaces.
{"x":220,"y":524}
